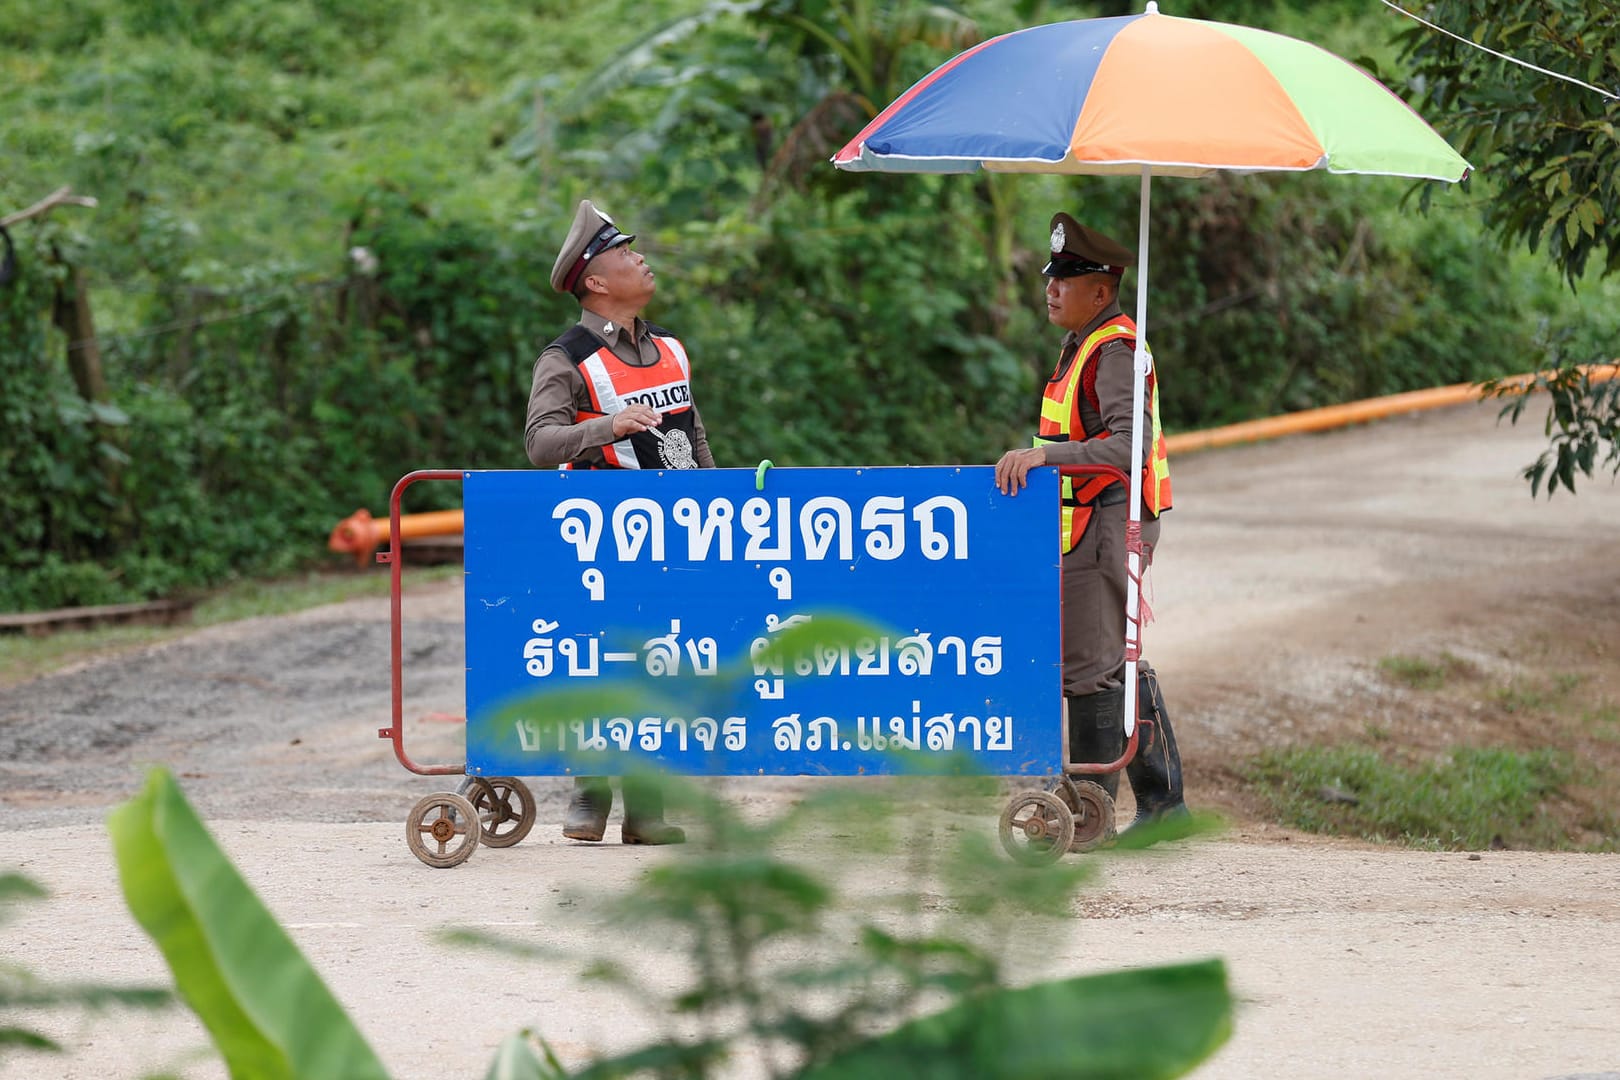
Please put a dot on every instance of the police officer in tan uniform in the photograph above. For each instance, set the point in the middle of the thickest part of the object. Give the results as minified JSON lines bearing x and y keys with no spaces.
{"x":1087,"y":420}
{"x":613,"y":392}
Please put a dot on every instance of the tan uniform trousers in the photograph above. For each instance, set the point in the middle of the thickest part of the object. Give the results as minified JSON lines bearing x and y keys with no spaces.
{"x":1094,"y":602}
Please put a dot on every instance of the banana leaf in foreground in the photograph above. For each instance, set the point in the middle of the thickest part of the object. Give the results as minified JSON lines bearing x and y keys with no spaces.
{"x":1143,"y":1024}
{"x":265,"y":1007}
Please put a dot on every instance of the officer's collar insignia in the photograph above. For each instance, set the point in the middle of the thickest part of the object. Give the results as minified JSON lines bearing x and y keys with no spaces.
{"x":1058,"y":239}
{"x":607,"y":328}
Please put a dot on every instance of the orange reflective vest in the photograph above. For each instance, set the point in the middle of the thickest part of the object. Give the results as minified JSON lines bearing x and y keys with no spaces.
{"x":1061,"y":422}
{"x":613,"y":384}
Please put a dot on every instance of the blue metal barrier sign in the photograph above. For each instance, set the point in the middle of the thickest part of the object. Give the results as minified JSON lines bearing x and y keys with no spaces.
{"x":815,"y":625}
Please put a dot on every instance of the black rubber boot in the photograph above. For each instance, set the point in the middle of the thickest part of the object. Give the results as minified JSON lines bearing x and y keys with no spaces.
{"x":1155,"y":771}
{"x":588,"y":809}
{"x":644,"y":815}
{"x":1097,"y":734}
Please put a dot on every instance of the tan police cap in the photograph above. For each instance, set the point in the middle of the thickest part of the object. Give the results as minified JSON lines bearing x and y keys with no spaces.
{"x":592,"y":233}
{"x":1078,"y":250}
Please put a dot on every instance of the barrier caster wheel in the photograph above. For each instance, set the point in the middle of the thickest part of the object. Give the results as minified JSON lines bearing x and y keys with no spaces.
{"x":1036,"y":828}
{"x":1093,"y":814}
{"x":504,"y":806}
{"x":442,"y":829}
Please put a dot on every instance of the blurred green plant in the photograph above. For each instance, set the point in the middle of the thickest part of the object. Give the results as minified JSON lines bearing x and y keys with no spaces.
{"x":796,"y":952}
{"x":20,"y":989}
{"x":267,"y":1011}
{"x":864,"y":930}
{"x":794,"y":960}
{"x":797,"y":963}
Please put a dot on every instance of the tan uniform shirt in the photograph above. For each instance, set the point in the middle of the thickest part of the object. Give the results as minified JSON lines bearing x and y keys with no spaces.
{"x":1094,"y":572}
{"x":553,"y":433}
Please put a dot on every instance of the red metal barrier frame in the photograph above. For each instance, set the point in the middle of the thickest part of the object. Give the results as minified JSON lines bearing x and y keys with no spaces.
{"x":394,"y":557}
{"x":396,"y":652}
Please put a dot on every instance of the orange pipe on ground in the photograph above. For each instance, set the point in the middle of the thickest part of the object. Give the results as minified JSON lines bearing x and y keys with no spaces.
{"x":1354,"y":412}
{"x":362,"y":534}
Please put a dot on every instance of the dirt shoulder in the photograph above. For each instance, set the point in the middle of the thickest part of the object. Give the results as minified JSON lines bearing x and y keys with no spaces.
{"x":1287,"y":572}
{"x":1305,"y":565}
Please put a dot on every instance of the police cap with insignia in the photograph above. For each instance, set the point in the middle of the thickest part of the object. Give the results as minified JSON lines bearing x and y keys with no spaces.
{"x":592,"y":233}
{"x":1078,"y":250}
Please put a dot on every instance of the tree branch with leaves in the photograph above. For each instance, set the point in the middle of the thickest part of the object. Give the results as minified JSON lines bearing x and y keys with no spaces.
{"x":1547,"y":138}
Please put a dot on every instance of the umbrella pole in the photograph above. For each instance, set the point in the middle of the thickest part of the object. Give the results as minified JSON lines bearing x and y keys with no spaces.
{"x":1133,"y":556}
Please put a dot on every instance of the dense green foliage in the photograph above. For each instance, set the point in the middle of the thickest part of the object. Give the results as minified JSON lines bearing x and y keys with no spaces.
{"x":1553,"y":141}
{"x":321,"y":252}
{"x":1553,"y":145}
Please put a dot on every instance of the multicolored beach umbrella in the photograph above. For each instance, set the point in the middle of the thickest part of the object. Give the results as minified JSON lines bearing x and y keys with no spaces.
{"x":1149,"y":95}
{"x":1181,"y":97}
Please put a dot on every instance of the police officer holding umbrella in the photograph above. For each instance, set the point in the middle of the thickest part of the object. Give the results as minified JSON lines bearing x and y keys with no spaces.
{"x":1086,"y":419}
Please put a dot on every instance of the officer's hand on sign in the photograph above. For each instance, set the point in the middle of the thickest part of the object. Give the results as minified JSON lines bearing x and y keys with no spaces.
{"x":634,"y":418}
{"x":1014,"y":467}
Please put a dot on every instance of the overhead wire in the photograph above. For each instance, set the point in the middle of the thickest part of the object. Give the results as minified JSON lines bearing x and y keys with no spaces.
{"x":1501,"y":55}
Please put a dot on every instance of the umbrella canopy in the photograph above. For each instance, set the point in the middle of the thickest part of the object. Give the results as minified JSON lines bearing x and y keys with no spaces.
{"x":1181,"y":97}
{"x":1149,"y":95}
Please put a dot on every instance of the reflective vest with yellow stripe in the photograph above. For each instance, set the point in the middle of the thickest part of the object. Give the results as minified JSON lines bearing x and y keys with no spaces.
{"x":1060,"y":422}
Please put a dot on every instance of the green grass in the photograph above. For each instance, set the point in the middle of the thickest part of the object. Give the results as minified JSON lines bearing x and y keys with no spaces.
{"x":1603,"y":721}
{"x":1465,"y":801}
{"x":1521,"y":696}
{"x":1419,"y":673}
{"x":28,"y":657}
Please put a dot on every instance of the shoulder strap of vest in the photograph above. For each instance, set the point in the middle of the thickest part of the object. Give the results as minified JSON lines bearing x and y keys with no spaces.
{"x":1120,"y":326}
{"x":655,"y":330}
{"x":578,"y":343}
